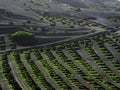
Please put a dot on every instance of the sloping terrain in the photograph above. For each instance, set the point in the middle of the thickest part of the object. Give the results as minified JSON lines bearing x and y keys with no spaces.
{"x":77,"y":45}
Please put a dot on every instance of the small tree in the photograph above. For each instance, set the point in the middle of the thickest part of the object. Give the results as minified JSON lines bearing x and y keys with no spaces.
{"x":53,"y":24}
{"x":24,"y":38}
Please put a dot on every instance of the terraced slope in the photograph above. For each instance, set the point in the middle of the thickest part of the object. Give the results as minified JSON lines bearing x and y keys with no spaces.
{"x":77,"y":48}
{"x":81,"y":64}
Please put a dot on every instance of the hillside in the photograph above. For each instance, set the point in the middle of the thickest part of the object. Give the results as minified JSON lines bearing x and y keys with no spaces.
{"x":59,"y":45}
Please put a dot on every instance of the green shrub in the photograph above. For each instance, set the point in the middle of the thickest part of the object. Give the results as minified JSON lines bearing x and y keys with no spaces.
{"x":24,"y":38}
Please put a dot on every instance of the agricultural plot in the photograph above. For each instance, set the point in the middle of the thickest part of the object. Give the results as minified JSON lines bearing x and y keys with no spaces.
{"x":65,"y":66}
{"x":59,"y":45}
